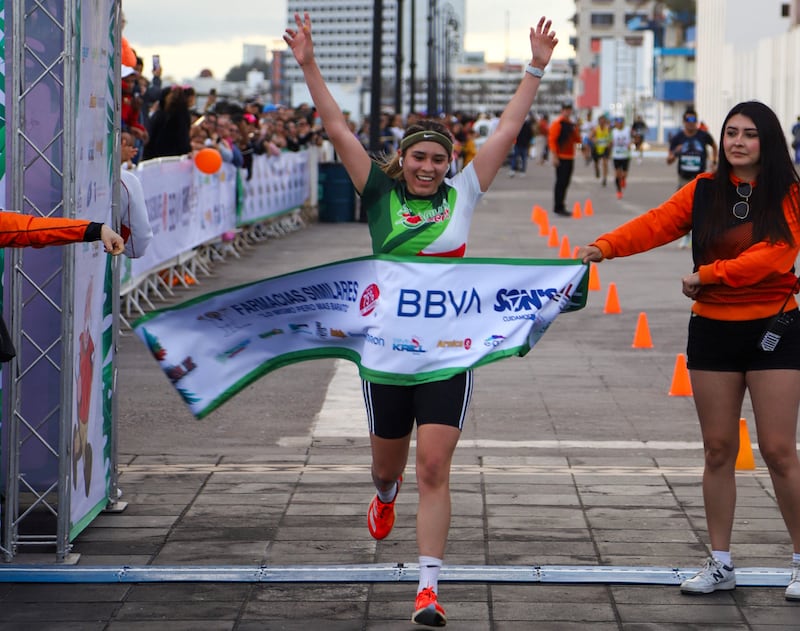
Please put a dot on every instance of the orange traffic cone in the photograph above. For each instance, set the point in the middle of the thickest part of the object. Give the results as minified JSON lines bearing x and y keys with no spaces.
{"x":575,"y":251}
{"x":537,"y":214}
{"x":612,"y":301}
{"x":681,"y":386}
{"x":745,"y":460}
{"x":544,"y":225}
{"x":553,"y":241}
{"x":641,"y":338}
{"x":563,"y":253}
{"x":576,"y":211}
{"x":587,"y":209}
{"x":594,"y":278}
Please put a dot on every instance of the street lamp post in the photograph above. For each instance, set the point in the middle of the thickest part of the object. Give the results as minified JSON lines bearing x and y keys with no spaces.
{"x":375,"y":83}
{"x":450,"y":26}
{"x":398,"y":59}
{"x":412,"y":101}
{"x":432,"y":87}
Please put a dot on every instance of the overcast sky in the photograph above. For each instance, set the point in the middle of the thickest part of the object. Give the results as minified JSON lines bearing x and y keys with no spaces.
{"x":190,"y":35}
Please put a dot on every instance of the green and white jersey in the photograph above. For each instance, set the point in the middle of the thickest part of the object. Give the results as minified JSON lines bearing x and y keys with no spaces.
{"x":400,"y":223}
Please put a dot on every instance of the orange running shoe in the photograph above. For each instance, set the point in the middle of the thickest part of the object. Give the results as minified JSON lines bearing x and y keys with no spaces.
{"x":380,"y":516}
{"x":428,"y":610}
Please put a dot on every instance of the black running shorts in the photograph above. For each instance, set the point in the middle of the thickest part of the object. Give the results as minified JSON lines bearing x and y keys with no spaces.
{"x":732,"y":346}
{"x":392,"y":410}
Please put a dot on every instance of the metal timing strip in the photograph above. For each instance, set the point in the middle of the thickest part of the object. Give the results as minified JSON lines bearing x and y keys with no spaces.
{"x":377,"y":573}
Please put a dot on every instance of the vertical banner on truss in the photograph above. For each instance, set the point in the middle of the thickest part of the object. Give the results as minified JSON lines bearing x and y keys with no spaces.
{"x":92,"y":333}
{"x":2,"y":188}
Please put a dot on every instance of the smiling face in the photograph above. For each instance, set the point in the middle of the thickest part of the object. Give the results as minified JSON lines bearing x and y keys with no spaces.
{"x":425,"y":164}
{"x":742,"y":146}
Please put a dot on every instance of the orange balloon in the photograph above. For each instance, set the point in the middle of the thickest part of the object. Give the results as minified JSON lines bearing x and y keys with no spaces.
{"x":208,"y":160}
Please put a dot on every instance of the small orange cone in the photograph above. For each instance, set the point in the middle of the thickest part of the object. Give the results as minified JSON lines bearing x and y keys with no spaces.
{"x":745,"y":460}
{"x":612,"y":301}
{"x":681,"y":386}
{"x":576,"y":211}
{"x":544,"y":225}
{"x":563,"y":253}
{"x":553,"y":240}
{"x":587,"y":208}
{"x":537,"y":214}
{"x":594,"y":278}
{"x":641,"y":338}
{"x":575,"y":251}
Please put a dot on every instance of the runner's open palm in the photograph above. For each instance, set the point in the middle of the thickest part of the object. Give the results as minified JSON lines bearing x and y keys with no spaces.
{"x":299,"y":40}
{"x":543,"y":41}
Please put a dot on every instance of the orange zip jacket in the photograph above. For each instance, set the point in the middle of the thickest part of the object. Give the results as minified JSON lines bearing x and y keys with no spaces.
{"x":19,"y":231}
{"x":752,"y":284}
{"x":566,"y":151}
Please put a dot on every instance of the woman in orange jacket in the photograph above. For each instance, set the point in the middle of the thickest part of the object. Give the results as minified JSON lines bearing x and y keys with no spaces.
{"x":745,"y":219}
{"x":19,"y":231}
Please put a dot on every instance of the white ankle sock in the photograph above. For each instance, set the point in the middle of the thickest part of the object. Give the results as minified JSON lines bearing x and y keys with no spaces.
{"x":388,"y":496}
{"x":723,"y":556}
{"x":796,"y":558}
{"x":429,"y":568}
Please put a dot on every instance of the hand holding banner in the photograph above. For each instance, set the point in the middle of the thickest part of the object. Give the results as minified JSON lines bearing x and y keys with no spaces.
{"x":402,"y":320}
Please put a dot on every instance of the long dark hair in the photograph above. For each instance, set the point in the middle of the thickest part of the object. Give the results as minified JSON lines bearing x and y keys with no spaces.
{"x":776,"y":179}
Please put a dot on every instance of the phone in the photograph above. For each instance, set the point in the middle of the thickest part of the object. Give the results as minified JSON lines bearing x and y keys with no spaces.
{"x":775,"y":329}
{"x":156,"y":62}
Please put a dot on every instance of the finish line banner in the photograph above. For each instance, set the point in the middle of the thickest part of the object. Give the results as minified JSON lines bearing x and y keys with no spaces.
{"x":402,"y":320}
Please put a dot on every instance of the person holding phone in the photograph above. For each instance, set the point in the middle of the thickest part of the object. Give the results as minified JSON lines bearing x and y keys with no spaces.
{"x":745,"y":219}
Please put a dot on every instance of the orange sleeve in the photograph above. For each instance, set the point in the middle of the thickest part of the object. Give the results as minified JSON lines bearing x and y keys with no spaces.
{"x":26,"y":230}
{"x":553,"y":134}
{"x":760,"y":260}
{"x":656,"y":227}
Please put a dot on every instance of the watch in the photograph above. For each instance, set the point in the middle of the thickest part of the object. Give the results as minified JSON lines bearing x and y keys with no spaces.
{"x":534,"y":71}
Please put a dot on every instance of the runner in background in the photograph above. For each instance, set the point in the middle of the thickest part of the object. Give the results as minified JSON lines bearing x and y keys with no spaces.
{"x":621,"y":154}
{"x":689,"y":148}
{"x":587,"y":126}
{"x":638,"y":131}
{"x":601,"y":141}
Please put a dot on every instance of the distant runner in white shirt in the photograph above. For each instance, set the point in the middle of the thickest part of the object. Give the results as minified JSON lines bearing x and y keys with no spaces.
{"x":621,"y":153}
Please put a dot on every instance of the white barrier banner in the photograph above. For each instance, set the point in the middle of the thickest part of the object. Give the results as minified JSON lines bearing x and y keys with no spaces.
{"x":277,"y":185}
{"x":186,"y":208}
{"x":401,"y":320}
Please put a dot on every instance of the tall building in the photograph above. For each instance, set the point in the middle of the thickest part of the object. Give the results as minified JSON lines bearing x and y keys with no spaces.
{"x":609,"y":41}
{"x":744,"y":54}
{"x":254,"y":52}
{"x":342,"y":32}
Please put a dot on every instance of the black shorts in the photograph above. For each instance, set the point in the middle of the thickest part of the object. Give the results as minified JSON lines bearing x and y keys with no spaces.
{"x":622,"y":163}
{"x":392,"y":410}
{"x":732,"y":346}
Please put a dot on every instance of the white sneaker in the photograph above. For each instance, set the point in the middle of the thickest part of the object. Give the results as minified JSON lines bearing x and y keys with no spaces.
{"x":793,"y":590}
{"x":714,"y":576}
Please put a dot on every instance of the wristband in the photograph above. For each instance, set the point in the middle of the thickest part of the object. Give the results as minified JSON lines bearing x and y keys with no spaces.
{"x":534,"y":71}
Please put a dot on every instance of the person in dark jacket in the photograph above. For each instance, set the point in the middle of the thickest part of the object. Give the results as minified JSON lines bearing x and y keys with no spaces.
{"x":522,"y":146}
{"x":171,"y":124}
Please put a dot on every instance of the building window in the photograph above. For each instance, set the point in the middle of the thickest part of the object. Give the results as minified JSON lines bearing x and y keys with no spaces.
{"x":786,"y":10}
{"x":602,"y":19}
